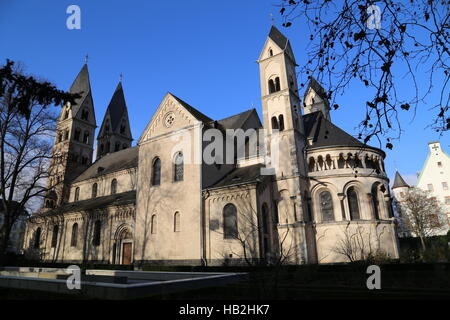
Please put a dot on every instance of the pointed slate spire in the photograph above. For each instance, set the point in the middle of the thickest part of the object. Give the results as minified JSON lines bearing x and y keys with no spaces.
{"x":117,"y":107}
{"x":115,"y":131}
{"x":399,"y":182}
{"x":82,"y":86}
{"x":278,"y":37}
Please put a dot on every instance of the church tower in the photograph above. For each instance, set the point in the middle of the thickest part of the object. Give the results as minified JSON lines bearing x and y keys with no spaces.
{"x":115,"y":132}
{"x":281,"y":104}
{"x":73,"y":147}
{"x":285,"y":142}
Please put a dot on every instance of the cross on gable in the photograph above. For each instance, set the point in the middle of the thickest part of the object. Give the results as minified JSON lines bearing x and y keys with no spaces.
{"x":435,"y":147}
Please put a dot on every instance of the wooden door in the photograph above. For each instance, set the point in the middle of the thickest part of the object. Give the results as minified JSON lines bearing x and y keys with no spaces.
{"x":126,"y":253}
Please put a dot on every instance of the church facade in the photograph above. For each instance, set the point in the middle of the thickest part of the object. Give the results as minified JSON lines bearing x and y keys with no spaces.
{"x":293,"y":188}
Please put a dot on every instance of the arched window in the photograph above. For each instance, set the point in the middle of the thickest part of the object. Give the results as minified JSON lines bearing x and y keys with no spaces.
{"x":178,"y":167}
{"x":53,"y":197}
{"x":375,"y":202}
{"x":176,"y":222}
{"x":358,"y":162}
{"x":156,"y":172}
{"x":77,"y":134}
{"x":307,"y":200}
{"x":37,"y":238}
{"x":86,"y":137}
{"x":122,"y":128}
{"x":55,"y":236}
{"x":312,"y":164}
{"x":66,"y":114}
{"x":326,"y":206}
{"x":276,"y":217}
{"x":114,"y":186}
{"x":329,"y":163}
{"x":353,"y":205}
{"x":275,"y":123}
{"x":277,"y":84}
{"x":74,"y":239}
{"x":230,"y":227}
{"x":94,"y":190}
{"x":85,"y":114}
{"x":341,"y":161}
{"x":77,"y":194}
{"x":320,"y":163}
{"x":271,"y":86}
{"x":281,"y":122}
{"x":377,"y":166}
{"x":265,"y":218}
{"x":265,"y":228}
{"x":96,"y":239}
{"x":270,"y":52}
{"x":350,"y":160}
{"x":102,"y":148}
{"x":153,"y":224}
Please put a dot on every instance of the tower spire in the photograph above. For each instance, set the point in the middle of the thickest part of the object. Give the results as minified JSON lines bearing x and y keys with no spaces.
{"x":115,"y":133}
{"x":86,"y":58}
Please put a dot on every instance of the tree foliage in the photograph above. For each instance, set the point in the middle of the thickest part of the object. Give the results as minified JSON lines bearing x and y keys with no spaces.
{"x":409,"y":47}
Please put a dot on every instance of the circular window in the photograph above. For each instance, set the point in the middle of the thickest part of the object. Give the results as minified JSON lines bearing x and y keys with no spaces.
{"x":169,"y":119}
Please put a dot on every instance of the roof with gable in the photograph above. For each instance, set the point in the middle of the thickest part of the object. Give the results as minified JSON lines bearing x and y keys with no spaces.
{"x":197,"y":114}
{"x":399,"y":181}
{"x":238,"y":120}
{"x":315,"y":85}
{"x":82,"y":86}
{"x":324,"y":133}
{"x":112,"y":162}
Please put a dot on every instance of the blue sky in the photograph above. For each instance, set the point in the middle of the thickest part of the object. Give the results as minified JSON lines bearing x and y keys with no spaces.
{"x":203,"y":51}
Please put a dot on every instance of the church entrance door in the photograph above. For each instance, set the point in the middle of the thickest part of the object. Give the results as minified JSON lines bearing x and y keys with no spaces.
{"x":126,"y":253}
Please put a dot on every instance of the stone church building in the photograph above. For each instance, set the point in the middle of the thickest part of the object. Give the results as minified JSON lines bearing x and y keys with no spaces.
{"x":161,"y":202}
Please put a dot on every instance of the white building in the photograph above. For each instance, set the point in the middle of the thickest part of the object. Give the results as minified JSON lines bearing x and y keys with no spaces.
{"x":435,"y":176}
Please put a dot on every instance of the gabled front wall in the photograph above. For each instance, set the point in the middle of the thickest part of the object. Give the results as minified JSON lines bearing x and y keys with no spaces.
{"x":436,"y":174}
{"x":160,"y":243}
